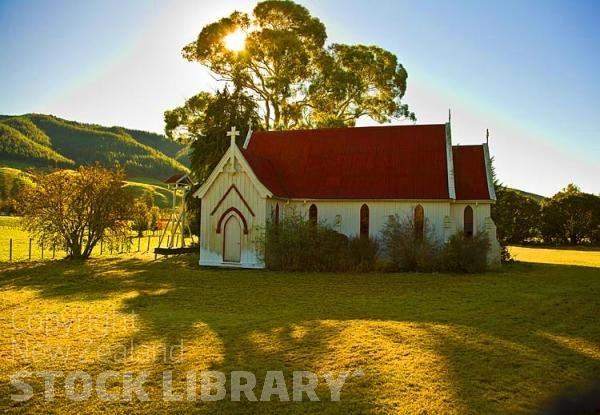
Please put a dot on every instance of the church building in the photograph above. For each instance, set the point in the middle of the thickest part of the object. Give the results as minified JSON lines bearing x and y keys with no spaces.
{"x":351,"y":178}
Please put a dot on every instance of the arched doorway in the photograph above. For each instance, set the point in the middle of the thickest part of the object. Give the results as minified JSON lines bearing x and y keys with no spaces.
{"x":232,"y":240}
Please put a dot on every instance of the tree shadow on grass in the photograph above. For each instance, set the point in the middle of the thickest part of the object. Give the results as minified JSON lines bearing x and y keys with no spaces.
{"x":92,"y":279}
{"x":492,"y":343}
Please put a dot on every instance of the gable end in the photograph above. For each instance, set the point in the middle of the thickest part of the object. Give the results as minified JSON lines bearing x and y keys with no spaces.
{"x":232,"y":187}
{"x":232,"y":154}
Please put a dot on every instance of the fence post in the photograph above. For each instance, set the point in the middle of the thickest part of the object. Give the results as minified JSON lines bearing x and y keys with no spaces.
{"x":30,"y":249}
{"x":53,"y":250}
{"x":139,"y":239}
{"x":10,"y":251}
{"x":100,"y":246}
{"x":42,"y":246}
{"x":148,"y":247}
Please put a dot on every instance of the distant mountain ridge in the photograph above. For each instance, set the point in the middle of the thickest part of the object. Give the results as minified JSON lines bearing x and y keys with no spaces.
{"x":46,"y":141}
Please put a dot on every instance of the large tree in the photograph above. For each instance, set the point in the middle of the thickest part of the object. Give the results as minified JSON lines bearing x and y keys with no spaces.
{"x":75,"y":210}
{"x":206,"y":118}
{"x":288,"y":76}
{"x":571,"y":216}
{"x":516,"y":216}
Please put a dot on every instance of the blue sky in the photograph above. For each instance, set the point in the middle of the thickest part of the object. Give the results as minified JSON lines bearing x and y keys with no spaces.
{"x":526,"y":70}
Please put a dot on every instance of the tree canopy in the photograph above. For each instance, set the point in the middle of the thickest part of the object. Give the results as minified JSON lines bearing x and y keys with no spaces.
{"x":77,"y":209}
{"x":298,"y":81}
{"x":516,"y":216}
{"x":207,"y":117}
{"x":571,"y":216}
{"x":285,"y":77}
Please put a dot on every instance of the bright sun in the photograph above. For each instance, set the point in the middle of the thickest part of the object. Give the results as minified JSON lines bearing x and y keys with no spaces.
{"x":235,"y":41}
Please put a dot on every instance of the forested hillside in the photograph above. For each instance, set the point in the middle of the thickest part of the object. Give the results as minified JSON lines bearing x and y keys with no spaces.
{"x":45,"y":141}
{"x":17,"y":147}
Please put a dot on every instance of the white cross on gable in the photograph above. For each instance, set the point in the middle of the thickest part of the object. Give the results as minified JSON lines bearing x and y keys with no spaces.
{"x":233,"y":133}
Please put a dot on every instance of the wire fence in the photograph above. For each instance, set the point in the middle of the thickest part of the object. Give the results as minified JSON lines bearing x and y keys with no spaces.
{"x":17,"y":245}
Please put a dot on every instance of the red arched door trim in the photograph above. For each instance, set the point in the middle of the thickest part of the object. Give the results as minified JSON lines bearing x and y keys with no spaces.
{"x":224,"y":215}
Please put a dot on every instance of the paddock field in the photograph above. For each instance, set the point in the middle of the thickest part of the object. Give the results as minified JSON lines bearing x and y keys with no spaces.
{"x":495,"y":343}
{"x":587,"y":257}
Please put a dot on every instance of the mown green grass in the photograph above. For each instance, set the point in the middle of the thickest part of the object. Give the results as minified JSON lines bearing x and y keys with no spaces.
{"x":493,"y":343}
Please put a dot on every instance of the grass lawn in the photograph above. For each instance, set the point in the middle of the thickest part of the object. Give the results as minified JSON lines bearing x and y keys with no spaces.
{"x":493,"y":343}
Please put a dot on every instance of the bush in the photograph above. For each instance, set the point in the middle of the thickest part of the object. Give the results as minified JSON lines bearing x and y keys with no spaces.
{"x":505,"y":256}
{"x":463,"y":254}
{"x":362,"y":253}
{"x":405,"y":250}
{"x":298,"y":245}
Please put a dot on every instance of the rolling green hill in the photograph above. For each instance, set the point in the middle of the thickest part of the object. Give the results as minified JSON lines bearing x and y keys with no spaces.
{"x":161,"y":196}
{"x":13,"y":180}
{"x":45,"y":141}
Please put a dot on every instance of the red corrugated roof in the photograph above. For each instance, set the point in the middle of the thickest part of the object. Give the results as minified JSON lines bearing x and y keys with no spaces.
{"x":392,"y":162}
{"x":470,"y":173}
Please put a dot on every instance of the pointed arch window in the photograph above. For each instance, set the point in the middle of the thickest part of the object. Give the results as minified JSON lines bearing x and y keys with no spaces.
{"x":468,"y":222}
{"x":276,"y":218}
{"x":419,"y":222}
{"x":364,"y":221}
{"x":312,"y":214}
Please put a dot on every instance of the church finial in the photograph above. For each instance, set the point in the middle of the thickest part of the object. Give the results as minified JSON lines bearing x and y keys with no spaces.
{"x":449,"y":115}
{"x":247,"y":140}
{"x":233,"y":133}
{"x":487,"y":136}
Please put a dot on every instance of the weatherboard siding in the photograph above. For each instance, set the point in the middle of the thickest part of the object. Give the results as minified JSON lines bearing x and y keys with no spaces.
{"x":379,"y":212}
{"x":221,"y":197}
{"x":481,"y":211}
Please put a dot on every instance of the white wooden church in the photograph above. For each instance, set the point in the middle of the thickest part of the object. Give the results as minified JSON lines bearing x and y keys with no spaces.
{"x":353,"y":178}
